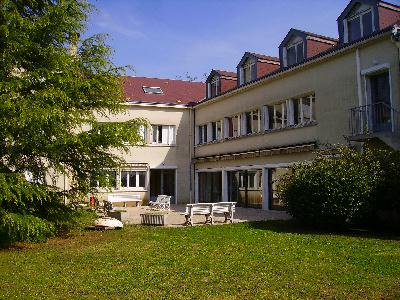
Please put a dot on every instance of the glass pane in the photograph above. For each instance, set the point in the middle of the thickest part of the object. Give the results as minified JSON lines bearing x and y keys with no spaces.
{"x":124,"y":179}
{"x":219,"y":130}
{"x":142,"y":179}
{"x":155,"y":131}
{"x":132,"y":179}
{"x":230,"y":127}
{"x":278,"y":116}
{"x":214,"y":130}
{"x":291,"y":56}
{"x":255,"y":123}
{"x":354,"y":29}
{"x":367,"y":23}
{"x":296,"y":111}
{"x":249,"y":128}
{"x":235,"y":125}
{"x":306,"y":109}
{"x":300,"y":52}
{"x":200,"y":133}
{"x":159,"y":134}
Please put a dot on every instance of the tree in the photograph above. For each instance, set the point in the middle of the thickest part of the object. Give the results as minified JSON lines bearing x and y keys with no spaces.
{"x":53,"y":85}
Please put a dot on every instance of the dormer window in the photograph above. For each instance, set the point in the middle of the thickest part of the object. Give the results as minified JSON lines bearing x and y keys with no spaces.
{"x":152,"y":90}
{"x":360,"y":25}
{"x":295,"y":53}
{"x":214,"y":86}
{"x":248,"y":70}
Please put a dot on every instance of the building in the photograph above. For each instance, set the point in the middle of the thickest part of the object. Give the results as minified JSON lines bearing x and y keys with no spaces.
{"x":231,"y":138}
{"x":163,"y":165}
{"x":320,"y":90}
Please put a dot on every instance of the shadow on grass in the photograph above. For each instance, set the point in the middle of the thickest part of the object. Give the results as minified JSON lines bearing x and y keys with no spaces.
{"x":291,"y":226}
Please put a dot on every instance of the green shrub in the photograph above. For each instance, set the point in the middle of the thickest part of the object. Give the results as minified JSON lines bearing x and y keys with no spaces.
{"x":335,"y":190}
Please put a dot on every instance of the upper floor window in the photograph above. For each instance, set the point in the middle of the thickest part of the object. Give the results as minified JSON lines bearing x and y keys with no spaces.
{"x":232,"y":126}
{"x":216,"y":130}
{"x":292,"y":112}
{"x":202,"y":134}
{"x":295,"y":53}
{"x":152,"y":90}
{"x":360,"y":25}
{"x":251,"y":122}
{"x":163,"y":134}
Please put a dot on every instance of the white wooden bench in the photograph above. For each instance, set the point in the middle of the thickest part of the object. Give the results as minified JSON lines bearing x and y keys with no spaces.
{"x":208,"y":210}
{"x":113,"y":198}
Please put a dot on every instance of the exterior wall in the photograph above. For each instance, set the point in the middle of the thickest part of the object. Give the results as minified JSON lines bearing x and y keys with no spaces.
{"x":227,"y":84}
{"x":338,"y":85}
{"x":315,"y":47}
{"x":161,"y":156}
{"x":387,"y":17}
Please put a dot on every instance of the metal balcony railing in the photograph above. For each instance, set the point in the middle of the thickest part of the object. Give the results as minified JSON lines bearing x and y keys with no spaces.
{"x":374,"y":118}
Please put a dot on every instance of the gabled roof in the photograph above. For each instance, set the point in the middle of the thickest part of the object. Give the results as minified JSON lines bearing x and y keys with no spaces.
{"x":221,"y":74}
{"x":247,"y":54}
{"x":264,"y":57}
{"x":173,"y":91}
{"x":304,"y":34}
{"x":351,"y":4}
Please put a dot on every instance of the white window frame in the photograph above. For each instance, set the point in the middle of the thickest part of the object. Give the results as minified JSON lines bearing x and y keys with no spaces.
{"x":359,"y":17}
{"x":168,"y":134}
{"x":295,"y":50}
{"x":137,"y":176}
{"x":247,"y":66}
{"x":245,"y":121}
{"x":152,"y":87}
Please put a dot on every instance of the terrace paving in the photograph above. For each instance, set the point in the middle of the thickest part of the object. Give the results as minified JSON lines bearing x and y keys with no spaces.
{"x":175,"y":217}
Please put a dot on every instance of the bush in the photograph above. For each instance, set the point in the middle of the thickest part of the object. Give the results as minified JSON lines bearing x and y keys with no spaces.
{"x":335,"y":190}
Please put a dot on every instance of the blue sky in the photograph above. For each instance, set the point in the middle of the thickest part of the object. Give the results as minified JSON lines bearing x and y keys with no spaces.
{"x":169,"y":38}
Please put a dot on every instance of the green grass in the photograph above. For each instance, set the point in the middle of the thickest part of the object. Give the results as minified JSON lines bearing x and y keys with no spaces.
{"x":240,"y":261}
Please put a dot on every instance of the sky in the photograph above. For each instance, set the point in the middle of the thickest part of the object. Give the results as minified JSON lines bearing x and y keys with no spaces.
{"x":173,"y":38}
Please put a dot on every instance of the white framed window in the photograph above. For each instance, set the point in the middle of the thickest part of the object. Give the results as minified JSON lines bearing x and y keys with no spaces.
{"x":214,"y":86}
{"x":295,"y":53}
{"x":216,"y":131}
{"x":268,"y":117}
{"x":152,"y":90}
{"x":251,"y":122}
{"x":232,"y":126}
{"x":163,"y":134}
{"x":280,"y":115}
{"x":202,"y":134}
{"x":291,"y":112}
{"x":132,"y":179}
{"x":246,"y":71}
{"x":359,"y":25}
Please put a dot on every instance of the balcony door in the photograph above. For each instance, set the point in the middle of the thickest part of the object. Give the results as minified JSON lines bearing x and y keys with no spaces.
{"x":380,"y":113}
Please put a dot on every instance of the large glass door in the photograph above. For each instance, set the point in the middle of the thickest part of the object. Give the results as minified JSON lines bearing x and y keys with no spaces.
{"x":245,"y":188}
{"x":380,"y":102}
{"x":162,"y":182}
{"x":210,"y":187}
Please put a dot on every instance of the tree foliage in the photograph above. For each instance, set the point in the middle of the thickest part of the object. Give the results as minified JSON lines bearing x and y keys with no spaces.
{"x":53,"y":87}
{"x":343,"y":187}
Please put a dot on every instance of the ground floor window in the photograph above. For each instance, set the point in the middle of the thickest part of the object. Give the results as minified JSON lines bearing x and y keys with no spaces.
{"x":245,"y":188}
{"x":210,"y":187}
{"x":133,"y":179}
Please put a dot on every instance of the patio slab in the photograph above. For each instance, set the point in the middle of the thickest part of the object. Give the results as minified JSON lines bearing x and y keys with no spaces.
{"x":175,"y":217}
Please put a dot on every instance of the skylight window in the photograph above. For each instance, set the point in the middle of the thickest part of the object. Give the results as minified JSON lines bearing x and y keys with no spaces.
{"x":152,"y":90}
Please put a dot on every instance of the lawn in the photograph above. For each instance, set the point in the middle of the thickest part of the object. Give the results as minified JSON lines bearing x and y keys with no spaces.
{"x":239,"y":261}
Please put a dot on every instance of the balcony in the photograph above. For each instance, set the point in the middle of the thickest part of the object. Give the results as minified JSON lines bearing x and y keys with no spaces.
{"x":378,"y":120}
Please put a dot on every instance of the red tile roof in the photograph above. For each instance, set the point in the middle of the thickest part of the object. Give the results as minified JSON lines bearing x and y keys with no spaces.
{"x":174,"y":91}
{"x":266,"y":57}
{"x":226,"y":73}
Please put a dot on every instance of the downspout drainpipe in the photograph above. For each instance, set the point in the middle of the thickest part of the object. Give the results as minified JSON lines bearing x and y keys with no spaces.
{"x":359,"y":89}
